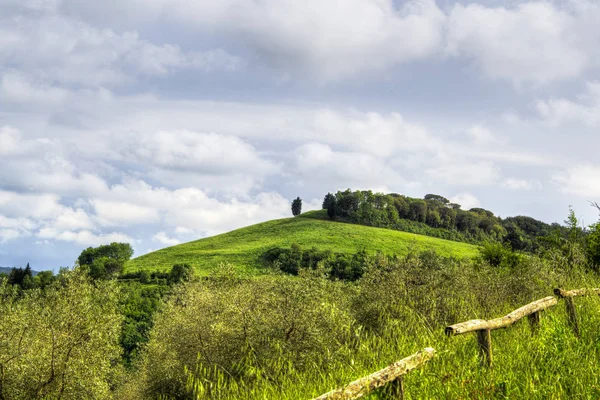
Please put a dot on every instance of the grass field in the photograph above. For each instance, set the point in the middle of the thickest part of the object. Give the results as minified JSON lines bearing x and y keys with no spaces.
{"x":244,"y":247}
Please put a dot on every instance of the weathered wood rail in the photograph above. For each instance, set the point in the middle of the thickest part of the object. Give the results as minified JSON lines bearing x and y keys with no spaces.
{"x":392,"y":375}
{"x":568,"y":296}
{"x":483,"y":328}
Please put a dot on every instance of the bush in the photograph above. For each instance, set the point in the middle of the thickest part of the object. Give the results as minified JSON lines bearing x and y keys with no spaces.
{"x":246,"y":328}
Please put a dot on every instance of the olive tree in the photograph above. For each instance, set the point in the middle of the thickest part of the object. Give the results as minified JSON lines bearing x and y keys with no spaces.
{"x":60,"y":342}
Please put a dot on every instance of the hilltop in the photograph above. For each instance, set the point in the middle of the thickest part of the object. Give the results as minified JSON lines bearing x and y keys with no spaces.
{"x":244,"y":247}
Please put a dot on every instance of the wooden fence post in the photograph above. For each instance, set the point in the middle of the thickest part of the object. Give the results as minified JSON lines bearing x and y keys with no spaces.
{"x":484,"y":338}
{"x":572,"y":313}
{"x":534,"y":321}
{"x":396,"y":389}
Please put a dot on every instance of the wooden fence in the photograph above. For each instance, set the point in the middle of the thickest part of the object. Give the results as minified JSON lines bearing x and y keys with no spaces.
{"x":568,"y":295}
{"x":390,"y":375}
{"x":394,"y":373}
{"x":484,"y":328}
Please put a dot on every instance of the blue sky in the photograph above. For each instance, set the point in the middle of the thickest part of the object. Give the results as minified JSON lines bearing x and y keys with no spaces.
{"x":157,"y":122}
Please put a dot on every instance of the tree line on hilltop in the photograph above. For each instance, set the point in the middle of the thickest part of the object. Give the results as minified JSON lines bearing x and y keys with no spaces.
{"x":434,"y":215}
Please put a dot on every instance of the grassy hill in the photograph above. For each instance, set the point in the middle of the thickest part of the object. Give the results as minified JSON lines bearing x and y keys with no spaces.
{"x":244,"y":247}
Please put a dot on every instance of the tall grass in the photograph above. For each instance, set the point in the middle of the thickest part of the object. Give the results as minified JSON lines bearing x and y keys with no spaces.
{"x":347,"y":331}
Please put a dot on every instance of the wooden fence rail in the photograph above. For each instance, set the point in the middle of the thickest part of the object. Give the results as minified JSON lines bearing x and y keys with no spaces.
{"x":392,"y":374}
{"x":484,"y":327}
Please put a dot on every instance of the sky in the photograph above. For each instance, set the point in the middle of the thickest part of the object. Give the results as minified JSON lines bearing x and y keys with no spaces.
{"x":157,"y":122}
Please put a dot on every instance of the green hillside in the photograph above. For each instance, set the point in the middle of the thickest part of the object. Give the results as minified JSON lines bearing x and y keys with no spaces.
{"x":244,"y":247}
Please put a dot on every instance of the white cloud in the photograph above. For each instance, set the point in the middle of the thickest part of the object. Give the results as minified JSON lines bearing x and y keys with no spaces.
{"x":182,"y":230}
{"x":13,"y":228}
{"x":72,"y":219}
{"x":164,"y":239}
{"x":559,"y":111}
{"x":122,"y":213}
{"x":330,"y":39}
{"x":466,"y":200}
{"x":193,"y":210}
{"x":49,"y":49}
{"x":581,"y":180}
{"x":465,"y":174}
{"x":201,"y":152}
{"x":533,"y":42}
{"x":13,"y":144}
{"x":36,"y":206}
{"x":316,"y":162}
{"x":520,"y":184}
{"x":15,"y":87}
{"x":482,"y":135}
{"x":9,"y":234}
{"x":83,"y":237}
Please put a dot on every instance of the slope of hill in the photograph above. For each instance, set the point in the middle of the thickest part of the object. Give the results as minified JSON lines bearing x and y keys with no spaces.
{"x":244,"y":247}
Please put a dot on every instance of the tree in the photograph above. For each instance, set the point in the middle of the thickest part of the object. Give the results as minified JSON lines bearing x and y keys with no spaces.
{"x":44,"y":279}
{"x":297,"y":206}
{"x":467,"y":221}
{"x":22,"y":277}
{"x":62,"y":342}
{"x":328,"y":201}
{"x":332,"y":209}
{"x":437,"y":198}
{"x":120,"y":252}
{"x":105,"y":261}
{"x":180,"y":273}
{"x":418,"y":210}
{"x":593,"y":245}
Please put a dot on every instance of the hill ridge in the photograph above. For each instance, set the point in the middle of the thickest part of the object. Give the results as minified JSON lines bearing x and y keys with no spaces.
{"x":243,"y":247}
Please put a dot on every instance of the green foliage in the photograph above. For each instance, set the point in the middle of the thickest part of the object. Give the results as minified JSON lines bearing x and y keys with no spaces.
{"x":61,"y":342}
{"x":297,"y":206}
{"x":22,"y":277}
{"x":44,"y":278}
{"x":242,"y":329}
{"x":343,"y":266}
{"x":138,"y":305}
{"x":496,"y":255}
{"x":298,"y":337}
{"x":244,"y":247}
{"x":593,"y":245}
{"x":436,"y":216}
{"x":180,"y":273}
{"x":328,"y":201}
{"x":105,"y":261}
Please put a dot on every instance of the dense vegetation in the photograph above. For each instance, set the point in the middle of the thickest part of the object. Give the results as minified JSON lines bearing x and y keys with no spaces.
{"x":434,"y":215}
{"x":316,"y":318}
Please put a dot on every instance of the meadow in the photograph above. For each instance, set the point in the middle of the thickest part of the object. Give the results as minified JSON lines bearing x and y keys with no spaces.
{"x":244,"y":247}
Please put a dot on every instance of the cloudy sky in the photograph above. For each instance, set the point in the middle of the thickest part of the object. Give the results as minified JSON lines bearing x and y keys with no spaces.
{"x":162,"y":121}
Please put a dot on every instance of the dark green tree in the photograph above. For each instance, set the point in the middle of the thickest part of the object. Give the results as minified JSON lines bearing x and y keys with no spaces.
{"x":22,"y":277}
{"x":297,"y":206}
{"x":120,"y":252}
{"x":180,"y":273}
{"x":328,"y":201}
{"x":105,"y":261}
